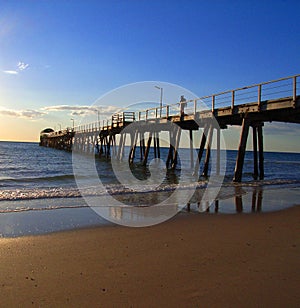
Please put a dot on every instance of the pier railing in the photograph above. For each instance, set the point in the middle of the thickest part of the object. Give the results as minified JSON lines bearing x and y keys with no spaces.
{"x":256,"y":93}
{"x":117,"y":120}
{"x":271,"y":90}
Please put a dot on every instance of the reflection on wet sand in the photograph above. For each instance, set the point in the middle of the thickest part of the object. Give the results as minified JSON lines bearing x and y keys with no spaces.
{"x":240,"y":201}
{"x":237,"y":199}
{"x":257,"y":196}
{"x":139,"y":216}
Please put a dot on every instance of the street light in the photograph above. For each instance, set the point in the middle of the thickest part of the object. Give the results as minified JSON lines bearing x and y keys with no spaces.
{"x":59,"y":126}
{"x":161,"y":96}
{"x":98,"y":117}
{"x":73,"y":123}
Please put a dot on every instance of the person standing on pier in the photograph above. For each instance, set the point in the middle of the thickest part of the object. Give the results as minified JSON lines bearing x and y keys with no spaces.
{"x":182,"y":104}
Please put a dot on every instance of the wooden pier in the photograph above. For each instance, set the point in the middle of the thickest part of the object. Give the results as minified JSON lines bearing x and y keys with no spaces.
{"x":248,"y":107}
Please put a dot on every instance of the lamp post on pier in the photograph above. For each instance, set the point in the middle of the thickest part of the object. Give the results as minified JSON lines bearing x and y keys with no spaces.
{"x":98,"y":118}
{"x":73,"y":123}
{"x":160,"y":101}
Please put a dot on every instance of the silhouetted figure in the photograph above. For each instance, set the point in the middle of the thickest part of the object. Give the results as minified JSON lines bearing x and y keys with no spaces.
{"x":182,"y":105}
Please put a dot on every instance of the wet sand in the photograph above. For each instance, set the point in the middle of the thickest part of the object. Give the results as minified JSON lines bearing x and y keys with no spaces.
{"x":192,"y":260}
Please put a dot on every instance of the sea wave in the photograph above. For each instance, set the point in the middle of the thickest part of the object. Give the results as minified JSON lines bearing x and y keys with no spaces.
{"x":43,"y":208}
{"x":39,"y":193}
{"x":11,"y":201}
{"x":10,"y":181}
{"x":119,"y":189}
{"x":37,"y":179}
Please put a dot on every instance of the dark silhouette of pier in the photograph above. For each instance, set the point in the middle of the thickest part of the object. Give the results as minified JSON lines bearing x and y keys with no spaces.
{"x":248,"y":107}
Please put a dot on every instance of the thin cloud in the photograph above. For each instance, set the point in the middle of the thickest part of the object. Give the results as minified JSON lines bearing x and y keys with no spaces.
{"x":78,"y":113}
{"x":68,"y":107}
{"x":22,"y":66}
{"x":277,"y":128}
{"x":11,"y":72}
{"x":25,"y":114}
{"x":32,"y":114}
{"x":75,"y":111}
{"x":84,"y":110}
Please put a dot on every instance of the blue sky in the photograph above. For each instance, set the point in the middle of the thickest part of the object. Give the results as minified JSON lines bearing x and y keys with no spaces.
{"x":69,"y":53}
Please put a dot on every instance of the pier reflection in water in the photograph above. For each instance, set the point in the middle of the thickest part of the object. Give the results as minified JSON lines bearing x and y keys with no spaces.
{"x":240,"y":202}
{"x":250,"y":200}
{"x":135,"y":216}
{"x":232,"y":200}
{"x":257,"y":196}
{"x":256,"y":202}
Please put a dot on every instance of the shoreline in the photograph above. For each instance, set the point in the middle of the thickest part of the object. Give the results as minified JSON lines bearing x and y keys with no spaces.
{"x":200,"y":260}
{"x":43,"y":216}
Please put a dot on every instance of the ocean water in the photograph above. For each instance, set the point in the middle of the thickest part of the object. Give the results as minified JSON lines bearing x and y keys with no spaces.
{"x":39,"y":194}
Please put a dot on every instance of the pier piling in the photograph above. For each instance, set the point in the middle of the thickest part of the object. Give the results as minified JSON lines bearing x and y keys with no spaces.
{"x":261,"y":152}
{"x":255,"y":162}
{"x":201,"y":149}
{"x":207,"y":154}
{"x":241,"y":152}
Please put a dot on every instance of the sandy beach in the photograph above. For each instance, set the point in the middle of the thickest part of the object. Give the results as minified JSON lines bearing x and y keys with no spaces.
{"x":205,"y":260}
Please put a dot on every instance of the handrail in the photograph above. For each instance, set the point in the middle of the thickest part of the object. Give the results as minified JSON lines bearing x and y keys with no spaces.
{"x":173,"y":109}
{"x":233,"y":96}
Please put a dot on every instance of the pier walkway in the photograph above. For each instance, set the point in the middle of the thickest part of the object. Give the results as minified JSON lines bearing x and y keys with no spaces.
{"x":250,"y":106}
